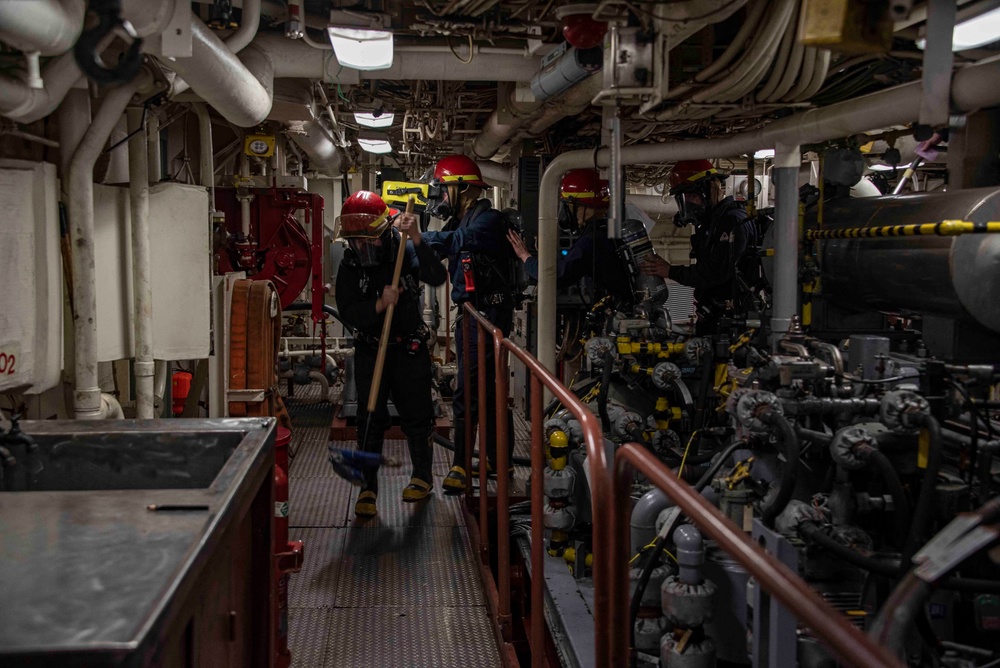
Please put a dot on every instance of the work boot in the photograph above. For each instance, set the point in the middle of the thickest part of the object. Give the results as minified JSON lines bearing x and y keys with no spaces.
{"x":421,"y":456}
{"x":454,"y":482}
{"x":365,"y":506}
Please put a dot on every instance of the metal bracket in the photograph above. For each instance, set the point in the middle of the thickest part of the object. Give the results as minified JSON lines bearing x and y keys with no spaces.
{"x":774,"y":627}
{"x":249,"y":396}
{"x":935,"y":103}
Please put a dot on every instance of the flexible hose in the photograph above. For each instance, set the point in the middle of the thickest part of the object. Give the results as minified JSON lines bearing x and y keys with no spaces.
{"x":890,"y":569}
{"x":640,"y":587}
{"x":790,"y":470}
{"x":925,"y":502}
{"x":901,"y":511}
{"x":719,"y":463}
{"x":602,"y":394}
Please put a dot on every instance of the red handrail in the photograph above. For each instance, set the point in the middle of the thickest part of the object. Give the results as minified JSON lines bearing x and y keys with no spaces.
{"x":847,"y":642}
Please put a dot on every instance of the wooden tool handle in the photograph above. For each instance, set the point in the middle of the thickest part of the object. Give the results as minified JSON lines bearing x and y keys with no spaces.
{"x":383,"y":343}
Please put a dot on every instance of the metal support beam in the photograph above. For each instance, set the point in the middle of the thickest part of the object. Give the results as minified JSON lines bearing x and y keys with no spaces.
{"x":935,"y":104}
{"x":786,"y":238}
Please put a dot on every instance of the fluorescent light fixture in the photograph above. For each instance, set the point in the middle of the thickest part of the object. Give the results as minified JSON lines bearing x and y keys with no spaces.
{"x":972,"y":33}
{"x":764,"y":154}
{"x":887,"y":168}
{"x":372,"y":121}
{"x":375,"y":145}
{"x":362,"y":49}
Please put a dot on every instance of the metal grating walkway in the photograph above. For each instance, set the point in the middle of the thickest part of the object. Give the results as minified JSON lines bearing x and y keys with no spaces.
{"x":399,"y":590}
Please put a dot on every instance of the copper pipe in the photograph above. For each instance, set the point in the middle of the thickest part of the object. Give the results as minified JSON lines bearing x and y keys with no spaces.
{"x":467,"y":379}
{"x":484,"y":493}
{"x":606,"y":578}
{"x":503,"y":484}
{"x":537,"y":527}
{"x":847,"y":642}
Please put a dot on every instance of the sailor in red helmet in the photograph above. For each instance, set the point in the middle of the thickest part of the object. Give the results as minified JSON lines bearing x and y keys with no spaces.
{"x":722,"y":232}
{"x":584,"y":199}
{"x":481,"y":262}
{"x":364,"y":292}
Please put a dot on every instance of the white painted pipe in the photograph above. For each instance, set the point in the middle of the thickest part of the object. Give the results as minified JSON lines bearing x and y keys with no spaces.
{"x":495,"y":172}
{"x":153,"y":146}
{"x":206,"y":162}
{"x":24,"y":104}
{"x":249,"y":25}
{"x":225,"y":81}
{"x":245,"y":199}
{"x":653,"y":204}
{"x":447,"y":67}
{"x":87,"y":394}
{"x":111,"y":409}
{"x":785,"y":305}
{"x":973,"y":87}
{"x":142,"y":281}
{"x":160,"y":368}
{"x":317,"y":377}
{"x":74,"y":119}
{"x":316,"y":142}
{"x":50,"y":27}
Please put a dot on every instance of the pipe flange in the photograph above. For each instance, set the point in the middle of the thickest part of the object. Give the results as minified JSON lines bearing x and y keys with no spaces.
{"x":696,"y":349}
{"x":665,"y":441}
{"x":627,"y":423}
{"x":648,"y":632}
{"x":597,"y":348}
{"x":752,"y":405}
{"x":851,"y":447}
{"x":795,"y":514}
{"x":554,"y":425}
{"x":665,"y":374}
{"x":651,"y":595}
{"x":686,"y":605}
{"x":902,"y":410}
{"x":699,"y":654}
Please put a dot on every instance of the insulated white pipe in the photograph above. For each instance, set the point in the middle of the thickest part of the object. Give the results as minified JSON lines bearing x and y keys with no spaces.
{"x":206,"y":162}
{"x":494,"y":171}
{"x":26,"y":105}
{"x":225,"y":81}
{"x":74,"y":119}
{"x":87,"y":391}
{"x":447,"y":67}
{"x":142,"y":274}
{"x":973,"y":87}
{"x":653,"y":204}
{"x":50,"y":27}
{"x":319,"y":147}
{"x":249,"y":25}
{"x":245,"y":199}
{"x":153,"y":146}
{"x":785,"y":305}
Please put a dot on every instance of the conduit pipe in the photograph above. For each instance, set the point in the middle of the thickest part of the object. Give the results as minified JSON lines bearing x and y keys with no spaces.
{"x":153,"y":145}
{"x":74,"y":119}
{"x":316,"y":142}
{"x":446,"y":67}
{"x":87,"y":391}
{"x":973,"y":87}
{"x":495,"y":172}
{"x":249,"y":25}
{"x":653,"y":204}
{"x":49,"y":27}
{"x":206,"y":162}
{"x":27,"y":105}
{"x":787,"y":160}
{"x":239,"y":88}
{"x":142,"y":281}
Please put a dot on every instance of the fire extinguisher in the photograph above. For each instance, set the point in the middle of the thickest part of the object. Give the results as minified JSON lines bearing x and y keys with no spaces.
{"x":180,"y":388}
{"x":287,"y":554}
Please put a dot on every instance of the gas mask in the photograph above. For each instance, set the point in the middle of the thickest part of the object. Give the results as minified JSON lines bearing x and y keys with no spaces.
{"x":368,"y":251}
{"x":567,"y":217}
{"x":691,"y":209}
{"x":437,"y":202}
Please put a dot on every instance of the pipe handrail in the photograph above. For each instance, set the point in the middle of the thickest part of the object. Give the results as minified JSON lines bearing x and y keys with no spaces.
{"x":847,"y":642}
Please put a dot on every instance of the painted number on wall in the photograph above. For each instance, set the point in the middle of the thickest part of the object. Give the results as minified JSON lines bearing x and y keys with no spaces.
{"x":8,"y":359}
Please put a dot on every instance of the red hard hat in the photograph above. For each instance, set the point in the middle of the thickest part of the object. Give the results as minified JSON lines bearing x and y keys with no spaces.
{"x":364,"y":215}
{"x":586,"y":187}
{"x":456,"y":169}
{"x":690,"y":172}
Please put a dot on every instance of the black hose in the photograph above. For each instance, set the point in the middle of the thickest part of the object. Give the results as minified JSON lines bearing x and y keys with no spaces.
{"x":448,"y":445}
{"x":816,"y":436}
{"x":925,"y":502}
{"x":640,"y":587}
{"x":901,"y":511}
{"x":602,"y":394}
{"x":890,"y":569}
{"x":790,"y":469}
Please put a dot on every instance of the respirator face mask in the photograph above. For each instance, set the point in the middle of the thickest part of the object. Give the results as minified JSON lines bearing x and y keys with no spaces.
{"x":368,"y":250}
{"x":437,"y":202}
{"x":567,"y":217}
{"x":691,"y":209}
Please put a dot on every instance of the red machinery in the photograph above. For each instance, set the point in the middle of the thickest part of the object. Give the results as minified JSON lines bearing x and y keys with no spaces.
{"x":277,"y":248}
{"x":287,"y":554}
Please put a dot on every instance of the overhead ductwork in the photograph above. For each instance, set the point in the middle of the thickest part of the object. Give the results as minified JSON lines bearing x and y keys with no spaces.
{"x":316,"y":142}
{"x":48,"y":27}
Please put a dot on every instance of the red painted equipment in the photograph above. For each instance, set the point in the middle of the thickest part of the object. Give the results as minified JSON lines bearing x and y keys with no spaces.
{"x":180,"y":388}
{"x":287,"y":554}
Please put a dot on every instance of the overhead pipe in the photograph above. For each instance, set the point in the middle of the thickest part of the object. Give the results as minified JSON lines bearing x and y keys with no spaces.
{"x":785,"y":305}
{"x":142,"y":274}
{"x":87,"y":390}
{"x":23,"y":104}
{"x":653,"y":204}
{"x":973,"y":87}
{"x":74,"y":119}
{"x":249,"y":25}
{"x":206,"y":162}
{"x":48,"y":27}
{"x":238,"y":88}
{"x":315,"y":141}
{"x":495,"y":172}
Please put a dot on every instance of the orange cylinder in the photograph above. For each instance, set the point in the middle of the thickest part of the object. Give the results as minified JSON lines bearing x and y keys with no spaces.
{"x":180,"y":388}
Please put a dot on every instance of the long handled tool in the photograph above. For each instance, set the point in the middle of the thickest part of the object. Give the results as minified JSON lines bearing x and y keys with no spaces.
{"x":345,"y":462}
